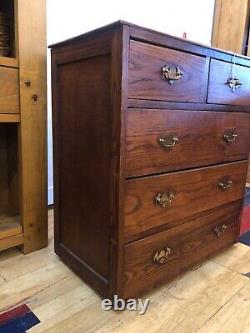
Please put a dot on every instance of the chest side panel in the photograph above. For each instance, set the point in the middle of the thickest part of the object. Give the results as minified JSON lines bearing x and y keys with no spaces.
{"x":82,"y":124}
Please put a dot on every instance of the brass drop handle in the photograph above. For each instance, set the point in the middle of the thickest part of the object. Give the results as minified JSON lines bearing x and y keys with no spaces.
{"x":161,"y":256}
{"x":168,"y":141}
{"x":230,"y":136}
{"x":164,"y":199}
{"x":225,"y":184}
{"x":171,"y":73}
{"x":220,"y":229}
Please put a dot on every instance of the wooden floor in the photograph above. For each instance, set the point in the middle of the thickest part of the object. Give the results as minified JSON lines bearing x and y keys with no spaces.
{"x":214,"y":297}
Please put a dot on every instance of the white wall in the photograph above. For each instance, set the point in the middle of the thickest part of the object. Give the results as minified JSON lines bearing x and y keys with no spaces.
{"x":69,"y":18}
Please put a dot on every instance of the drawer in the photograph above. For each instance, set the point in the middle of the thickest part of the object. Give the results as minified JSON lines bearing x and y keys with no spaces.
{"x":164,"y":140}
{"x":168,"y":199}
{"x":9,"y":90}
{"x":158,"y":73}
{"x":152,"y":261}
{"x":219,"y":91}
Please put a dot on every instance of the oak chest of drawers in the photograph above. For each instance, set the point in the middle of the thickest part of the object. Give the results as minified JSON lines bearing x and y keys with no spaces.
{"x":151,"y":142}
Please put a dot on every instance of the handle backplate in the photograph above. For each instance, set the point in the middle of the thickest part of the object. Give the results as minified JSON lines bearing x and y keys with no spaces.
{"x":225,"y":184}
{"x":171,"y":73}
{"x":161,"y":256}
{"x":164,"y":199}
{"x":220,"y":229}
{"x":230,"y":136}
{"x":234,"y":84}
{"x":168,"y":141}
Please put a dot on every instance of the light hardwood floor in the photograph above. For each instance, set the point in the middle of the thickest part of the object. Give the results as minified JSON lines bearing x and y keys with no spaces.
{"x":214,"y":297}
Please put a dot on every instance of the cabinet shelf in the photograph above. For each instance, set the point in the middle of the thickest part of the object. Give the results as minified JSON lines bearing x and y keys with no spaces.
{"x":8,"y":62}
{"x":9,"y":225}
{"x":7,"y":7}
{"x":10,"y":118}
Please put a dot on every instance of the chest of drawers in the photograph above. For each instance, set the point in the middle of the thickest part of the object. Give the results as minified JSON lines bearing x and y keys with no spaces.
{"x":151,"y":142}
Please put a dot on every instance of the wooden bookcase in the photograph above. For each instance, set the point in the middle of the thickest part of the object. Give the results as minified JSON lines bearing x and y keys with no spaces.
{"x":23,"y":152}
{"x":231,"y":25}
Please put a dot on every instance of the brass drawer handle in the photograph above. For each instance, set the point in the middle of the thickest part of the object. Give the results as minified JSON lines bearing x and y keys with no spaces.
{"x":220,"y":229}
{"x":168,"y":141}
{"x":230,"y":136}
{"x":234,"y":84}
{"x":171,"y":74}
{"x":164,"y":199}
{"x":225,"y":184}
{"x":161,"y":256}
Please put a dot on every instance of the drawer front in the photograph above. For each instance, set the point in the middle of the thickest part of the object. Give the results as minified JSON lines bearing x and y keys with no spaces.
{"x":153,"y":260}
{"x":162,"y":140}
{"x":158,"y":73}
{"x":9,"y":90}
{"x":168,"y":199}
{"x":219,"y":91}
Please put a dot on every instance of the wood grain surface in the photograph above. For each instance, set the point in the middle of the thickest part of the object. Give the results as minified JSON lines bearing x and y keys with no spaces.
{"x":195,"y":191}
{"x":200,"y":134}
{"x":188,"y":243}
{"x":147,"y":82}
{"x":9,"y":90}
{"x":218,"y":89}
{"x":230,"y":25}
{"x":82,"y":124}
{"x":32,"y":54}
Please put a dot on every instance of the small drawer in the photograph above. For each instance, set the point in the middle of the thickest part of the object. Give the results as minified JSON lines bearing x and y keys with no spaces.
{"x":9,"y":90}
{"x":168,"y":199}
{"x":158,"y":73}
{"x":151,"y":261}
{"x":223,"y":91}
{"x":164,"y":140}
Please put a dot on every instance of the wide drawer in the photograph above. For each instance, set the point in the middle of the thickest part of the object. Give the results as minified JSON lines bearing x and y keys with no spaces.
{"x":9,"y":90}
{"x":219,"y":91}
{"x":158,"y":73}
{"x":164,"y":140}
{"x":151,"y":202}
{"x":153,"y":260}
